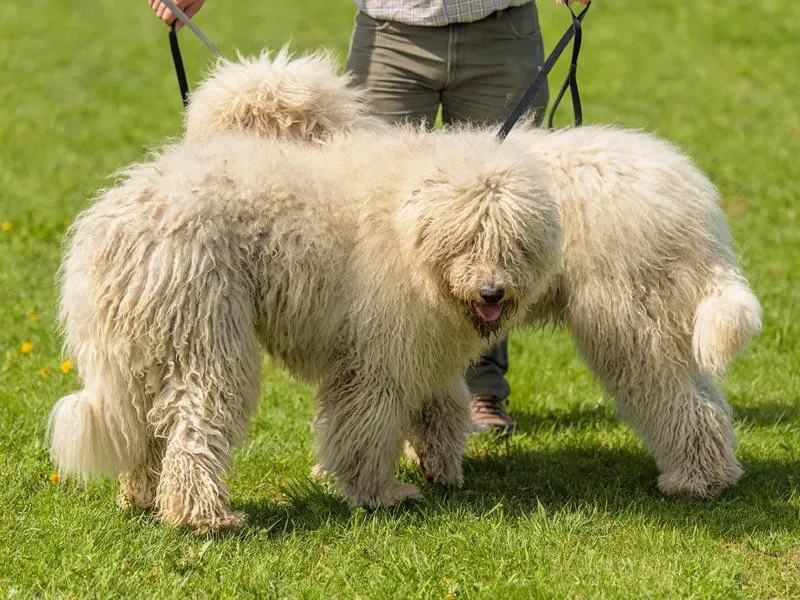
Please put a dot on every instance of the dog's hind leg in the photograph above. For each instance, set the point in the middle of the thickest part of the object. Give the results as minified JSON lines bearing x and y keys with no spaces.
{"x":700,"y":459}
{"x":203,"y":423}
{"x":682,"y":418}
{"x":360,"y":428}
{"x":201,"y":411}
{"x":686,"y":424}
{"x":438,"y":435}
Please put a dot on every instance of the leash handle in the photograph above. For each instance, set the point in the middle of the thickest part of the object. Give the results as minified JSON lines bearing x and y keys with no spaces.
{"x":184,"y":18}
{"x":177,"y":59}
{"x":571,"y":80}
{"x":544,"y":71}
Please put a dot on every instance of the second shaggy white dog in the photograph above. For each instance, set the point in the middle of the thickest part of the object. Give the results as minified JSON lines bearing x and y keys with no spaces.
{"x":648,"y":282}
{"x":651,"y":292}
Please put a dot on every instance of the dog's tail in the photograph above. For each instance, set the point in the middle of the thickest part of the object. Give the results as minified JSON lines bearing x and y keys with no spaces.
{"x":95,"y":435}
{"x":725,"y":320}
{"x":277,"y":97}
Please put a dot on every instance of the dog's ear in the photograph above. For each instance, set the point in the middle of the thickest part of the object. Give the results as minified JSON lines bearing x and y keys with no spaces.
{"x":410,"y":224}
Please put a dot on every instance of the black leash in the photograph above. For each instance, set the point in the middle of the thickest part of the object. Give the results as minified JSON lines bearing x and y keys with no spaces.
{"x":183,"y":84}
{"x":181,"y":16}
{"x":570,"y":82}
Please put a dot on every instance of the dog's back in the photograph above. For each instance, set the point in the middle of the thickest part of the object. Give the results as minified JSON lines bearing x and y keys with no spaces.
{"x":644,"y":222}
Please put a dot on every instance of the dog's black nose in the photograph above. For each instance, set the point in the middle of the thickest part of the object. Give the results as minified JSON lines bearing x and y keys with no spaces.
{"x":492,"y":294}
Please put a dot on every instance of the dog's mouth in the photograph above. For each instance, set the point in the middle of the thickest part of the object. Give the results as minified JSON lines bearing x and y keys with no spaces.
{"x":488,"y":317}
{"x":487,"y":312}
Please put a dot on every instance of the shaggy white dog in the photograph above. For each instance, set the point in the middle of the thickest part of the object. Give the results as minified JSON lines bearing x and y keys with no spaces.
{"x":363,"y":265}
{"x":378,"y":262}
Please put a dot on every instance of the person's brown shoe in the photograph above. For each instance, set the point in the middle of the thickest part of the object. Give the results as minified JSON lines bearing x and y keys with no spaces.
{"x":487,"y":412}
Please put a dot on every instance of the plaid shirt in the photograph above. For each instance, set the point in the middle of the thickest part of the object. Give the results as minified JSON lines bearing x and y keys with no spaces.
{"x":433,"y":13}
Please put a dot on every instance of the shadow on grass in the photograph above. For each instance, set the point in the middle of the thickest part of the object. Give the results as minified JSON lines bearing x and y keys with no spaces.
{"x":767,"y":412}
{"x":619,"y":483}
{"x":575,"y":418}
{"x":307,"y":505}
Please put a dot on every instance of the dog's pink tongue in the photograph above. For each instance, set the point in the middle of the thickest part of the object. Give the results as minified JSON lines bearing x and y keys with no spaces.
{"x":489,"y":312}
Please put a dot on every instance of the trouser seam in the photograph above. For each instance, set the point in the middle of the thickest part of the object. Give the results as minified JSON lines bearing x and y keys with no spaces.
{"x":452,"y":40}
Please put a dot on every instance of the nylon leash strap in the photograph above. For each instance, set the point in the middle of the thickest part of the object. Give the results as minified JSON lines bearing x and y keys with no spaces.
{"x":570,"y":82}
{"x":177,"y":59}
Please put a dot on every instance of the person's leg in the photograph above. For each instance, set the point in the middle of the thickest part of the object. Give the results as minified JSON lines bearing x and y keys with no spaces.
{"x":487,"y":383}
{"x":492,"y":63}
{"x":401,"y":67}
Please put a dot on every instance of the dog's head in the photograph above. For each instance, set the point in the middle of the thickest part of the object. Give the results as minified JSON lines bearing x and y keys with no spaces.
{"x":302,"y":99}
{"x":486,"y":230}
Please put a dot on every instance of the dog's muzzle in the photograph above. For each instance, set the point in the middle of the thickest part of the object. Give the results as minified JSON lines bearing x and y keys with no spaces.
{"x":488,"y":317}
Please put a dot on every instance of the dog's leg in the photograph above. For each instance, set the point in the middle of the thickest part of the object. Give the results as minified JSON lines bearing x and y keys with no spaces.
{"x":687,"y":426}
{"x":202,"y":410}
{"x":360,"y":429}
{"x":682,"y":418}
{"x":439,"y":433}
{"x":191,"y":490}
{"x":138,"y":486}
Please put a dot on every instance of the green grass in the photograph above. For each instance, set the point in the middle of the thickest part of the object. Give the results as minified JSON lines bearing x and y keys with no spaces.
{"x":569,"y":507}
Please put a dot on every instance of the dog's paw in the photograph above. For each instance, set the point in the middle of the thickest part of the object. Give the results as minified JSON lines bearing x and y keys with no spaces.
{"x":694,"y":485}
{"x":392,"y":494}
{"x":438,"y":469}
{"x":205,"y":522}
{"x":398,"y":492}
{"x":226,"y":520}
{"x":136,"y":489}
{"x":320,"y":474}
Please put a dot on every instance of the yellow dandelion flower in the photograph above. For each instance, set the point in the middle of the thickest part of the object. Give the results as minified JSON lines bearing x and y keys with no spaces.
{"x":55,"y":478}
{"x":26,"y":347}
{"x":31,"y":314}
{"x":5,"y":226}
{"x":43,"y":371}
{"x":66,"y":366}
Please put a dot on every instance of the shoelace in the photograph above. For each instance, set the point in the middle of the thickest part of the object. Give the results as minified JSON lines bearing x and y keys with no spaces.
{"x":487,"y":405}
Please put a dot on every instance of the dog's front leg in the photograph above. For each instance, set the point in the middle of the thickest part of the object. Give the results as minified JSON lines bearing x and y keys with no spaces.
{"x":360,"y":428}
{"x":439,"y":433}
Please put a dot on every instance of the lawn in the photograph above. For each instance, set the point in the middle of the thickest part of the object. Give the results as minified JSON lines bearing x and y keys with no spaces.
{"x":568,"y":507}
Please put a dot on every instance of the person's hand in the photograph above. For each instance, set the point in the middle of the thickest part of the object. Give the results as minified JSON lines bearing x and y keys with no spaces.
{"x":190,"y":7}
